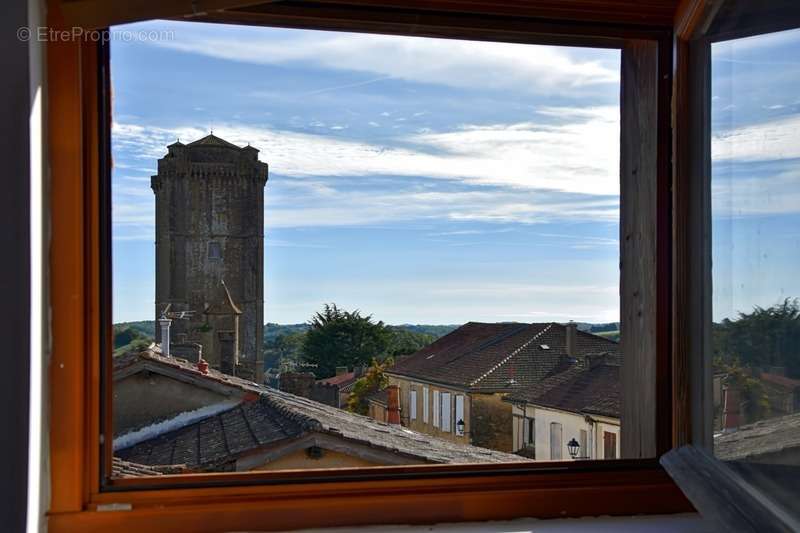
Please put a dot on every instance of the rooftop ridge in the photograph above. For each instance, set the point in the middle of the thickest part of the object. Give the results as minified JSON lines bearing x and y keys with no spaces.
{"x":512,"y":354}
{"x":303,"y":420}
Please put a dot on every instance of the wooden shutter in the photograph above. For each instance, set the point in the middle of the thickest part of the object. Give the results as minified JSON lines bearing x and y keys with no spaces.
{"x":584,"y":451}
{"x":555,"y":441}
{"x":436,"y":408}
{"x":445,"y":412}
{"x":609,"y":445}
{"x":460,"y":415}
{"x":412,"y":400}
{"x":425,"y":402}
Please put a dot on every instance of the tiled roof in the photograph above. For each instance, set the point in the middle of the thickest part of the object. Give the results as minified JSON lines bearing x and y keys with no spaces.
{"x":764,"y":437}
{"x":275,"y":416}
{"x":120,"y":468}
{"x":498,"y":357}
{"x":379,"y":396}
{"x":342,"y":379}
{"x":582,"y":388}
{"x":152,"y":358}
{"x":779,"y":380}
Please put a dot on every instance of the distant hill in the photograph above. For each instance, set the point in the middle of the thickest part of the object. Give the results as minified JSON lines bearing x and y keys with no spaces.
{"x":132,"y":336}
{"x":283,"y":341}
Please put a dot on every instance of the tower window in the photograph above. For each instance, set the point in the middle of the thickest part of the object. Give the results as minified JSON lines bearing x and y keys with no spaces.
{"x":214,"y":250}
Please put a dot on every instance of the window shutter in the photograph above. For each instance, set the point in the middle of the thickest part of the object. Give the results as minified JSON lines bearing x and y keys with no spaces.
{"x":436,"y":408}
{"x":425,"y":402}
{"x":526,"y":431}
{"x":446,"y":411}
{"x":412,"y":397}
{"x":460,"y":415}
{"x":555,"y":440}
{"x":584,"y":451}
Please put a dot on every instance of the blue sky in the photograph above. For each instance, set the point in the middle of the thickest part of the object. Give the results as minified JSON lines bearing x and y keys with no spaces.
{"x":755,"y":172}
{"x":419,"y":180}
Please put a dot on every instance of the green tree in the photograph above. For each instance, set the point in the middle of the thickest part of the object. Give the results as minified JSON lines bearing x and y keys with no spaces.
{"x":761,"y":338}
{"x":374,"y":379}
{"x":343,"y":338}
{"x":755,"y":402}
{"x":405,"y":342}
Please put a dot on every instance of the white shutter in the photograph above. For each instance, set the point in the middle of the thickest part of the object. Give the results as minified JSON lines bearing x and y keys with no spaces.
{"x":425,"y":404}
{"x":555,"y":441}
{"x":436,"y":408}
{"x":446,"y":411}
{"x":460,"y":415}
{"x":526,"y":431}
{"x":412,"y":398}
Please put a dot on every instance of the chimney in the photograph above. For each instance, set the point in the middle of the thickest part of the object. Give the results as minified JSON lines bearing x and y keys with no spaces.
{"x":393,"y":404}
{"x":572,"y":335}
{"x":730,"y":410}
{"x":341,"y":370}
{"x":164,"y":322}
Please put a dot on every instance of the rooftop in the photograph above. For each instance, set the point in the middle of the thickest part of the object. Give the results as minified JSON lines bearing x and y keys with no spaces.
{"x":270,"y":417}
{"x":585,"y":387}
{"x":761,"y":438}
{"x":499,"y":356}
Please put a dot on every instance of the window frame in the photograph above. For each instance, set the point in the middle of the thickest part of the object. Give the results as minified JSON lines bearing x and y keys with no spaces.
{"x":78,"y":132}
{"x":716,"y":488}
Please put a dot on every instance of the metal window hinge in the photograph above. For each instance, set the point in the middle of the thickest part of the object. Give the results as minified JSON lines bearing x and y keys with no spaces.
{"x":114,"y":507}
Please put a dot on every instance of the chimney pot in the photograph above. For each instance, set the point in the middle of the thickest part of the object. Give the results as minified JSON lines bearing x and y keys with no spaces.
{"x":165,"y":322}
{"x":202,"y":366}
{"x":393,"y":404}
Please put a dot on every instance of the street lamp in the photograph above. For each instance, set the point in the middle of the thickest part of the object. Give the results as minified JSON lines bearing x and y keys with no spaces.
{"x":460,"y":426}
{"x":573,"y":448}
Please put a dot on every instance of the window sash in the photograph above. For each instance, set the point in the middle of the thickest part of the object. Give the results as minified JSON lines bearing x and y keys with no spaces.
{"x":412,"y":400}
{"x":78,"y":104}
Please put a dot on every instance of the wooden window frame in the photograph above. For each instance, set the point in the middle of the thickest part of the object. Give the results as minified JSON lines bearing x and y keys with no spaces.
{"x":83,"y":499}
{"x":720,"y":490}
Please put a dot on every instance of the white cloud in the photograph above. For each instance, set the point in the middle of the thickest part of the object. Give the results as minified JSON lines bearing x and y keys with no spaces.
{"x":578,"y":156}
{"x":771,"y":140}
{"x":530,"y":68}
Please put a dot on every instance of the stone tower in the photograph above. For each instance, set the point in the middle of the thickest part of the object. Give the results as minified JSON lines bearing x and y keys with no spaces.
{"x":210,"y":250}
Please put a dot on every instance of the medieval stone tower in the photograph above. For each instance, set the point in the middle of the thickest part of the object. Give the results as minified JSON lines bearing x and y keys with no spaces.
{"x":210,"y":251}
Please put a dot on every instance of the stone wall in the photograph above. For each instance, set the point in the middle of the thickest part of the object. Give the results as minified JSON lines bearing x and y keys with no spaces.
{"x":210,"y":227}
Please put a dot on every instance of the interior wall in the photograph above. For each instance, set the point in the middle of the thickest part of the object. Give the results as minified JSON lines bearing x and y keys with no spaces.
{"x":15,"y":269}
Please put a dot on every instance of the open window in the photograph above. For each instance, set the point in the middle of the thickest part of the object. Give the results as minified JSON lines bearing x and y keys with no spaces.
{"x":737,"y":220}
{"x":226,"y":362}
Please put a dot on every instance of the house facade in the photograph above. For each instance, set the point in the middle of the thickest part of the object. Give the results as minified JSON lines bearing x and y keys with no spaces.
{"x":455,"y":388}
{"x":581,"y":403}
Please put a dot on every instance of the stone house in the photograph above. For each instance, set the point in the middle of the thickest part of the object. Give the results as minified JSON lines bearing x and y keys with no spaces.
{"x":173,"y":415}
{"x":455,"y":388}
{"x":581,"y":403}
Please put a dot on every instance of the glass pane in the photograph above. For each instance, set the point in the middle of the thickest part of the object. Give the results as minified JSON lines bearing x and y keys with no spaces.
{"x":344,"y":250}
{"x":756,"y":248}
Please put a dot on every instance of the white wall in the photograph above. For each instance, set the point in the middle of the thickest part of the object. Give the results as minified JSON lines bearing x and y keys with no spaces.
{"x":571,"y":424}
